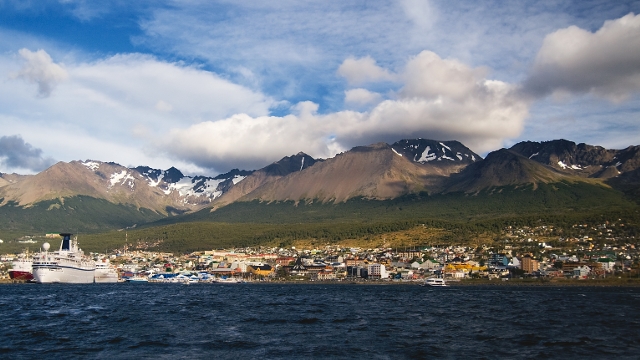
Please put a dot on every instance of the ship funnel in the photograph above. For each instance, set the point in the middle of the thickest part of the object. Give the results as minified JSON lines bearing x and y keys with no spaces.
{"x":66,"y":242}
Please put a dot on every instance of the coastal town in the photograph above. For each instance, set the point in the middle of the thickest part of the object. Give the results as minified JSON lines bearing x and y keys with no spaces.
{"x":597,"y":251}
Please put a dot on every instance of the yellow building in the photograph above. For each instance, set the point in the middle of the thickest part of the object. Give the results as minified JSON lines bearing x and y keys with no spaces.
{"x":260,"y":270}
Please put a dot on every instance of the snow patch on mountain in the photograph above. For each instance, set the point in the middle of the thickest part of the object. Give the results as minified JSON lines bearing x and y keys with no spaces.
{"x":155,"y":183}
{"x":236,"y":179}
{"x":92,"y":165}
{"x":426,"y":156}
{"x":397,"y":153}
{"x":122,"y":177}
{"x":571,"y":167}
{"x":184,"y":187}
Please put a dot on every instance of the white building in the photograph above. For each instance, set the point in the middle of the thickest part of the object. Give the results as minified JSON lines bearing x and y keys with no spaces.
{"x":581,"y":271}
{"x":377,"y":271}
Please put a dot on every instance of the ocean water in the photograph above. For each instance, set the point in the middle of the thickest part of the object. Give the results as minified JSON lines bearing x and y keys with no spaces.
{"x":315,"y":321}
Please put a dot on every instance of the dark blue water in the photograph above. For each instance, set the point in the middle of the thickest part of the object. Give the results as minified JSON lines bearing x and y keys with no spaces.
{"x":270,"y":321}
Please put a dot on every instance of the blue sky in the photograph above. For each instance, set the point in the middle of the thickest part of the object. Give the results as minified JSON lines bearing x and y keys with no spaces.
{"x":210,"y":85}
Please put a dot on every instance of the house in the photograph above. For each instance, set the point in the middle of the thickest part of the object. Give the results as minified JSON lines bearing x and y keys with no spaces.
{"x":607,"y":264}
{"x":581,"y":272}
{"x":260,"y":270}
{"x":326,"y":274}
{"x":285,"y":260}
{"x":430,"y":264}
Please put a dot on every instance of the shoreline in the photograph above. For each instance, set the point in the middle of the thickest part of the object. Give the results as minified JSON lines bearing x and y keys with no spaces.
{"x":613,"y":282}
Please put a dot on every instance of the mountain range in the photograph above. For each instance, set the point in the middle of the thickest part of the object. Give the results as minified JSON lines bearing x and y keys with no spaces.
{"x":378,"y":172}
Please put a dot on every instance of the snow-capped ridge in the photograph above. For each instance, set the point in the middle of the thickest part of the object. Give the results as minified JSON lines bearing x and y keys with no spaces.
{"x":426,"y":151}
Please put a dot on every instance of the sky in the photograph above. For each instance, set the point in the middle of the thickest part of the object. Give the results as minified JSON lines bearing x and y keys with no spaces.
{"x":208,"y":86}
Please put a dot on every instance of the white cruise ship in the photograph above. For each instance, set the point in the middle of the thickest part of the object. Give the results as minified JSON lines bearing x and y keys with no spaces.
{"x":67,"y":265}
{"x":105,"y":273}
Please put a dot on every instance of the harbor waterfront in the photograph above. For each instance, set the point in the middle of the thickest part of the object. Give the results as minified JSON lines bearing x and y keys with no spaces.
{"x":317,"y":321}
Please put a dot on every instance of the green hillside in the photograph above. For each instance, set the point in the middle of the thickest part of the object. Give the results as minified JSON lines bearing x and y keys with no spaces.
{"x":458,"y":217}
{"x":74,"y":214}
{"x":556,"y":199}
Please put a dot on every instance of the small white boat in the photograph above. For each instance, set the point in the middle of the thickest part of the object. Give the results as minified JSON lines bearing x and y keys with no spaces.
{"x":137,"y":279}
{"x":435,"y":282}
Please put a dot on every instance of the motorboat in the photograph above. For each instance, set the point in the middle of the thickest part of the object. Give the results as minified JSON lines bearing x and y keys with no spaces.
{"x":435,"y":281}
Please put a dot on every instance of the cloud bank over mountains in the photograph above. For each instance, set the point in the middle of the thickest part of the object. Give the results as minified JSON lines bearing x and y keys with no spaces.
{"x":442,"y":98}
{"x":209,"y":94}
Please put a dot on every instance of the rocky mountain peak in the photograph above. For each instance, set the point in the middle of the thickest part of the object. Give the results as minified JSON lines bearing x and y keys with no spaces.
{"x":580,"y":159}
{"x":438,"y":153}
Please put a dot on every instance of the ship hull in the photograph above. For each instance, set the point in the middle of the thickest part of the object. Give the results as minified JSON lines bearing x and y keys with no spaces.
{"x":63,"y":274}
{"x":20,"y":275}
{"x":103,"y":277}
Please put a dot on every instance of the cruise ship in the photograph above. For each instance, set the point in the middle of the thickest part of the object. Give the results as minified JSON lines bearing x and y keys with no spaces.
{"x":67,"y":265}
{"x":105,"y":273}
{"x":21,"y":268}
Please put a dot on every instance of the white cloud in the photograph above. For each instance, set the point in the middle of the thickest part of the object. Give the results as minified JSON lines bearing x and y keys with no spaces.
{"x":112,"y":109}
{"x":40,"y":69}
{"x":429,"y":76}
{"x":575,"y":61}
{"x":479,"y":112}
{"x":361,"y":97}
{"x":364,"y":70}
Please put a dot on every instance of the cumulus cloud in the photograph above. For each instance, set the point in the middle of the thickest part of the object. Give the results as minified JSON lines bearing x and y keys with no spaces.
{"x":364,"y":70}
{"x":441,"y":99}
{"x":429,"y":76}
{"x":116,"y":107}
{"x":40,"y":69}
{"x":361,"y":97}
{"x":576,"y":61}
{"x":15,"y":153}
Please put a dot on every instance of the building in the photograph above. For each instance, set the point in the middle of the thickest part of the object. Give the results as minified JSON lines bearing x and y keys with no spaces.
{"x":377,"y":271}
{"x":498,"y":260}
{"x":261,"y":270}
{"x":285,"y":260}
{"x":581,"y":272}
{"x":529,"y":264}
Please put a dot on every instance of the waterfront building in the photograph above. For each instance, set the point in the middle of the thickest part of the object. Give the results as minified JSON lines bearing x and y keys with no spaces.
{"x":529,"y":264}
{"x":260,"y":270}
{"x":581,"y":272}
{"x":377,"y":271}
